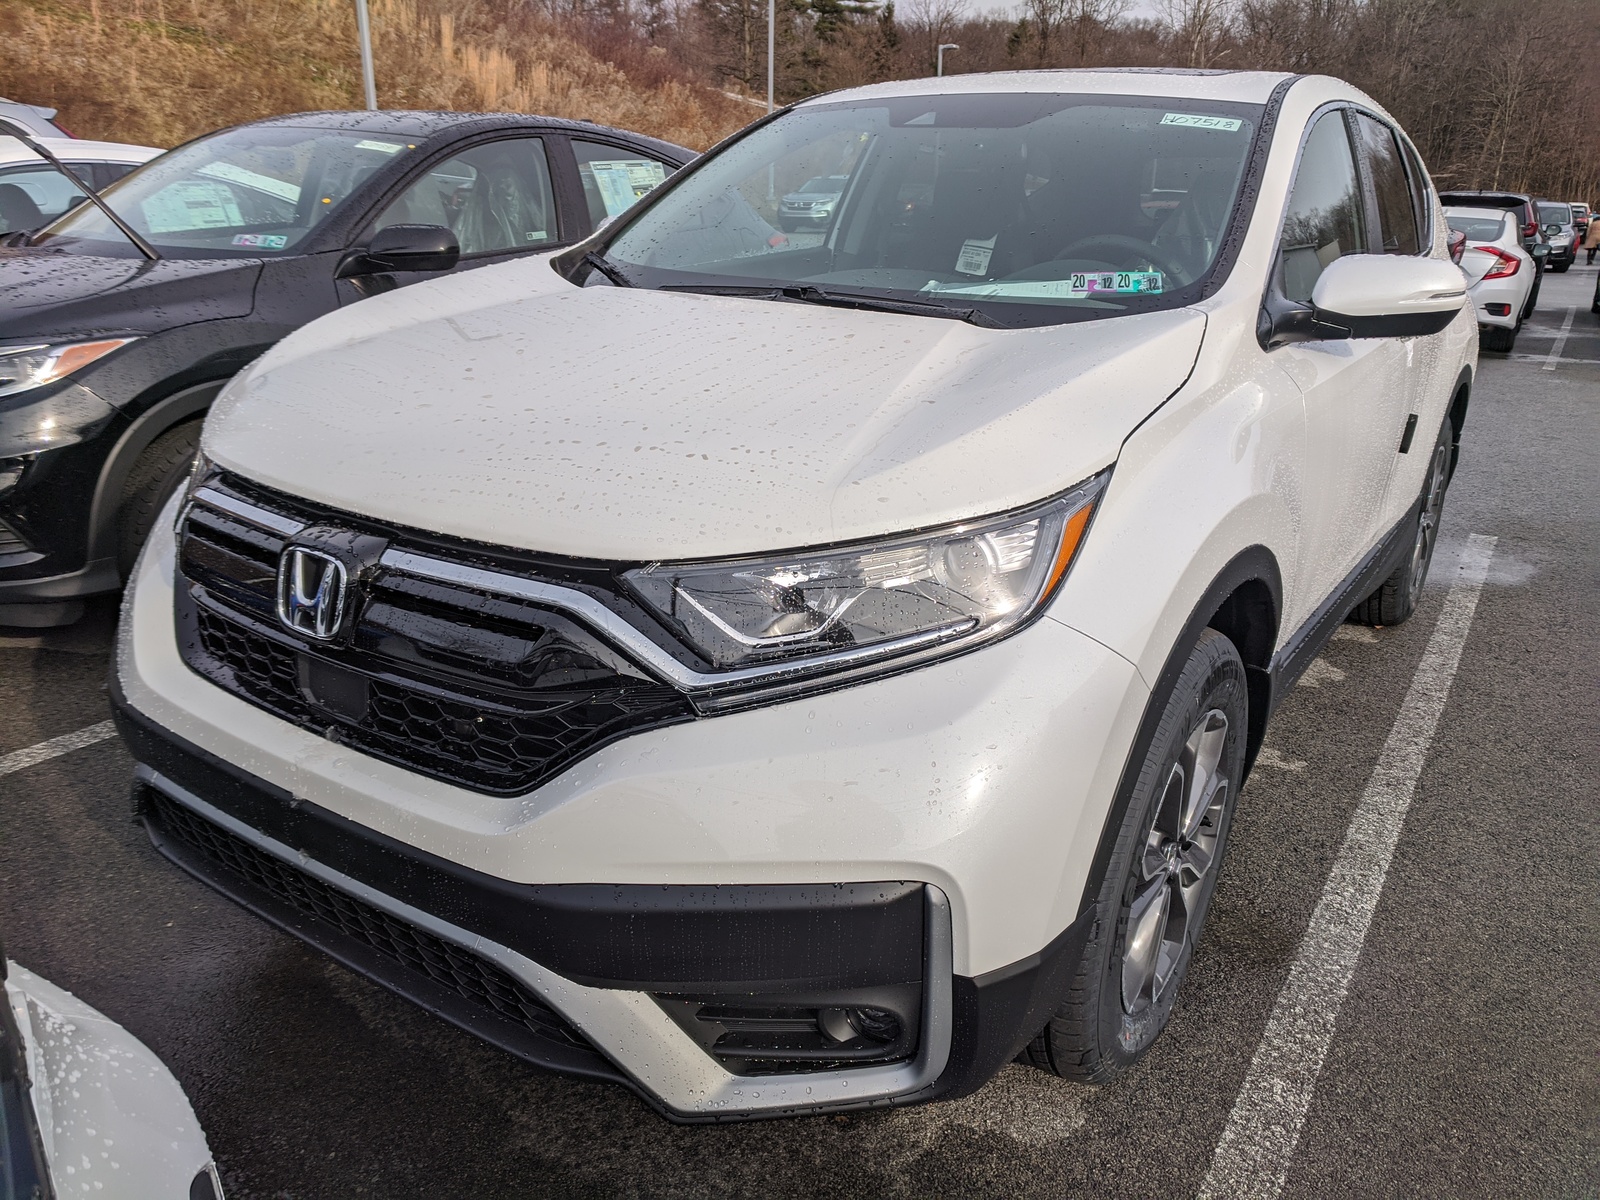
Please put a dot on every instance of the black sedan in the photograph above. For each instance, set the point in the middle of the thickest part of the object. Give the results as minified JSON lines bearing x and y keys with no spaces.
{"x":112,"y":347}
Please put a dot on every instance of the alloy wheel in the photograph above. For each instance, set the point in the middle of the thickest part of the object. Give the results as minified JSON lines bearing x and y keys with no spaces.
{"x":1172,"y":869}
{"x":1428,"y":520}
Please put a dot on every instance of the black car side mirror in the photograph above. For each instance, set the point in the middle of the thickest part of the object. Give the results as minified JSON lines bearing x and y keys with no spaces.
{"x":403,"y":248}
{"x":1540,"y":251}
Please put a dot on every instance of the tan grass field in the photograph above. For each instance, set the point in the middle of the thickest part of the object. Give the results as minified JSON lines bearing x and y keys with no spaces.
{"x":161,"y":71}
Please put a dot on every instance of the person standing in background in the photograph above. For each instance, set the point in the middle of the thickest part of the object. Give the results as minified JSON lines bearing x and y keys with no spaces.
{"x":1591,"y":240}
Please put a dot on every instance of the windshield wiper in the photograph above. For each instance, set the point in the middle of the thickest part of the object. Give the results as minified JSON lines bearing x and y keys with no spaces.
{"x":607,"y":268}
{"x":132,"y":234}
{"x":809,"y":294}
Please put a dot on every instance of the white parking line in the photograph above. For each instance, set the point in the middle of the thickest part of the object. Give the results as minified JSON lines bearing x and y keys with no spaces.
{"x":1252,"y":1157}
{"x":17,"y":760}
{"x":1560,"y":343}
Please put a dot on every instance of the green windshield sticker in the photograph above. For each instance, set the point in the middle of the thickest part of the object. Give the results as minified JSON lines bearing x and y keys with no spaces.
{"x":1080,"y":286}
{"x":1226,"y":124}
{"x":266,"y":241}
{"x":1194,"y":122}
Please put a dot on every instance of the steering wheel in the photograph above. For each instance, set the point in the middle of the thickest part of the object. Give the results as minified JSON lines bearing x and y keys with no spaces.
{"x":1116,"y":241}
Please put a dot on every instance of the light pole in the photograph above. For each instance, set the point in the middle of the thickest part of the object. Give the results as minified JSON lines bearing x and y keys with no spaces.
{"x":364,"y":31}
{"x":771,"y":40}
{"x":942,"y":49}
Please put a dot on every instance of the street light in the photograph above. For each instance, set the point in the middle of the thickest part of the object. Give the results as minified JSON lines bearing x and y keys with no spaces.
{"x":771,"y":38}
{"x":364,"y":31}
{"x":942,"y":49}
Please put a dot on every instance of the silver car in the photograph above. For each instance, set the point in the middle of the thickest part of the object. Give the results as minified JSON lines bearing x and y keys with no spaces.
{"x":1556,"y":227}
{"x":811,"y":207}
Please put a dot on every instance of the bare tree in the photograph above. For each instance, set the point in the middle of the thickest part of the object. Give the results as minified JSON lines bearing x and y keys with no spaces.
{"x":1199,"y":27}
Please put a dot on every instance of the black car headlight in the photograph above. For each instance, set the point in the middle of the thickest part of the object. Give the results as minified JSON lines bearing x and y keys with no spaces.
{"x":25,"y":367}
{"x":951,"y":586}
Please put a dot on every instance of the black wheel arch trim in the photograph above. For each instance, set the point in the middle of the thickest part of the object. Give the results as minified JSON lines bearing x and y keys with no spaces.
{"x":157,"y":419}
{"x":1253,"y":566}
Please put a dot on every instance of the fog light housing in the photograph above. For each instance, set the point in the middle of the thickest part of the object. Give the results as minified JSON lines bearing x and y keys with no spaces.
{"x":777,"y":1033}
{"x":1498,"y":310}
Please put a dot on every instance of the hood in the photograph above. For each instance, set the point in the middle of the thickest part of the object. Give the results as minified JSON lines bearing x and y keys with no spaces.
{"x":507,"y":406}
{"x":59,"y":295}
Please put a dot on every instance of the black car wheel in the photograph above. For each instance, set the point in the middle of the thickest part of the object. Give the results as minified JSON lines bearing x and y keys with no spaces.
{"x":1161,"y":875}
{"x":155,"y":476}
{"x":1396,"y":598}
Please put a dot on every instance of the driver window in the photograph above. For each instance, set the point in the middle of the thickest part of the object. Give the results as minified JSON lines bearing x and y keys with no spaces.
{"x":495,"y":198}
{"x":1324,"y":220}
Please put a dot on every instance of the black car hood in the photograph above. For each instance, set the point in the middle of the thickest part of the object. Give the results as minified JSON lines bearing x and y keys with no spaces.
{"x":54,"y":294}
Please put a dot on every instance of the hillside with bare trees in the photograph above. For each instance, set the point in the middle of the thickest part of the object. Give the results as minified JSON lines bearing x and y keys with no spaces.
{"x":1498,"y":93}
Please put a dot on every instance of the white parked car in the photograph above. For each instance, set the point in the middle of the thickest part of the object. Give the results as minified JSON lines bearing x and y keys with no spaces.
{"x":1500,"y":273}
{"x":787,"y":677}
{"x":33,"y":193}
{"x":88,"y":1110}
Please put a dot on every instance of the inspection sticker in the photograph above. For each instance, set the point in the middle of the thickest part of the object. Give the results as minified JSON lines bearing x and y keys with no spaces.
{"x":1115,"y":281}
{"x":267,"y":241}
{"x":975,"y":255}
{"x":1226,"y":124}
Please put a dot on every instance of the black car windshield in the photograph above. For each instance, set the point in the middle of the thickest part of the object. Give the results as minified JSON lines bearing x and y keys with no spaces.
{"x":1555,"y":214}
{"x":1029,"y":208}
{"x":1478,"y":229}
{"x":257,"y":190}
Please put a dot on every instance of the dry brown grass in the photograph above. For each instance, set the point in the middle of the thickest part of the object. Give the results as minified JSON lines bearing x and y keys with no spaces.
{"x":162,"y":71}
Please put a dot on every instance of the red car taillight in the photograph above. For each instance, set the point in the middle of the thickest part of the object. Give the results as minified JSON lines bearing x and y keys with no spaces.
{"x":1507,"y":264}
{"x":1458,"y":246}
{"x":1530,"y":229}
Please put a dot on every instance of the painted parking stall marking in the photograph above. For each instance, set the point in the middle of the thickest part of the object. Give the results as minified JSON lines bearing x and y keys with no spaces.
{"x":1560,"y":343}
{"x":19,"y":760}
{"x":1252,"y":1158}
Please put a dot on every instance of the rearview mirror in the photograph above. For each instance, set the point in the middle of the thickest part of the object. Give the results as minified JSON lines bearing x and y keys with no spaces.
{"x":404,"y":248}
{"x":1369,"y":296}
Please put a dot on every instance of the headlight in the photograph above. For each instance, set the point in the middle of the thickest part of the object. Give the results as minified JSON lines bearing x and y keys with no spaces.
{"x":962,"y":583}
{"x":24,"y":367}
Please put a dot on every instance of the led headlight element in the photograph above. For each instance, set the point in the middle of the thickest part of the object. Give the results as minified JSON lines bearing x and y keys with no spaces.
{"x":24,"y":367}
{"x":975,"y":580}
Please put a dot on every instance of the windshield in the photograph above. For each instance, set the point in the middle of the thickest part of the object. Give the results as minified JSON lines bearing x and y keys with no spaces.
{"x":1030,"y":208}
{"x":1555,"y":214}
{"x":251,"y":191}
{"x":1478,"y":229}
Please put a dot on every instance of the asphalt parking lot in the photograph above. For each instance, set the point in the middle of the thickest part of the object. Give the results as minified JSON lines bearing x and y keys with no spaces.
{"x":1460,"y":1055}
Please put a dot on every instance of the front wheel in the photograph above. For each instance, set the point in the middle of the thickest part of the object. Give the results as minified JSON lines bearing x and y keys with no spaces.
{"x":1161,"y":875}
{"x":1396,"y":598}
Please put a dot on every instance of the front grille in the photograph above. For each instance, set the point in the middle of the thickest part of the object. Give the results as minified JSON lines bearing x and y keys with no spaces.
{"x":489,"y":693}
{"x":474,"y":979}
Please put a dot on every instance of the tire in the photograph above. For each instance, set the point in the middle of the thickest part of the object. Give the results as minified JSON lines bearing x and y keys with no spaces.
{"x":1147,"y":920}
{"x":1561,"y":268}
{"x":1396,"y":598}
{"x":155,"y":476}
{"x":1497,"y":339}
{"x":1533,"y":296}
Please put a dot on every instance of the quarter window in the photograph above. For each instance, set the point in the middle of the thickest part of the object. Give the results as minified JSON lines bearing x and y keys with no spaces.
{"x":1325,"y":221}
{"x":1397,"y":209}
{"x":30,"y":196}
{"x":495,"y":198}
{"x":614,"y":178}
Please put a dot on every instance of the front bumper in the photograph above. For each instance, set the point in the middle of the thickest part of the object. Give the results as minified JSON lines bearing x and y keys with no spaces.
{"x":973,"y":790}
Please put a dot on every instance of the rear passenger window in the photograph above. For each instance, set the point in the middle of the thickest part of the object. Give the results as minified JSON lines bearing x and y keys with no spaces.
{"x":1397,"y":210}
{"x":613,"y":178}
{"x":1324,"y":221}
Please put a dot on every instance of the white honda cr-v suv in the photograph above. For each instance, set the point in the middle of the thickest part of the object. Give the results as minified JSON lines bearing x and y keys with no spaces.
{"x":806,"y":670}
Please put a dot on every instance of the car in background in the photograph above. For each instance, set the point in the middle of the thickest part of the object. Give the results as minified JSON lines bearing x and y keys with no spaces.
{"x":1500,"y":273}
{"x":111,"y":353}
{"x":1556,"y":227}
{"x":1580,"y":217}
{"x":86,"y":1108}
{"x":34,"y":193}
{"x":811,"y":205}
{"x":38,"y":121}
{"x":1519,"y":203}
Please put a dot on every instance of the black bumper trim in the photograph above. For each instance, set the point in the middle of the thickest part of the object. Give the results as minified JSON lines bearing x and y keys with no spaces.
{"x":639,"y":937}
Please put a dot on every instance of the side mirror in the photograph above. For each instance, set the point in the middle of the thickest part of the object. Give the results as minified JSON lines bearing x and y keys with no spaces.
{"x":1540,"y":251}
{"x":1369,"y":296}
{"x":403,"y":248}
{"x":1552,"y":228}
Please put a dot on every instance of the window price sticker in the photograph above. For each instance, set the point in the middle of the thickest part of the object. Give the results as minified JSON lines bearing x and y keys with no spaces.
{"x":1226,"y":124}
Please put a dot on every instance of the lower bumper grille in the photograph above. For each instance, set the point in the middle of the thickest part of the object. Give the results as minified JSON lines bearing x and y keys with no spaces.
{"x":475,"y":980}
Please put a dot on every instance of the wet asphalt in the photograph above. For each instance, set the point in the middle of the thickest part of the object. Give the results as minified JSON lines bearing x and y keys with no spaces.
{"x":1466,"y":1060}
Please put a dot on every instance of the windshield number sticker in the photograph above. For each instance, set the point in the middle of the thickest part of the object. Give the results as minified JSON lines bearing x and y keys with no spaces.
{"x":266,"y":241}
{"x":380,"y":147}
{"x":1226,"y":124}
{"x":975,"y":255}
{"x":1115,"y":281}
